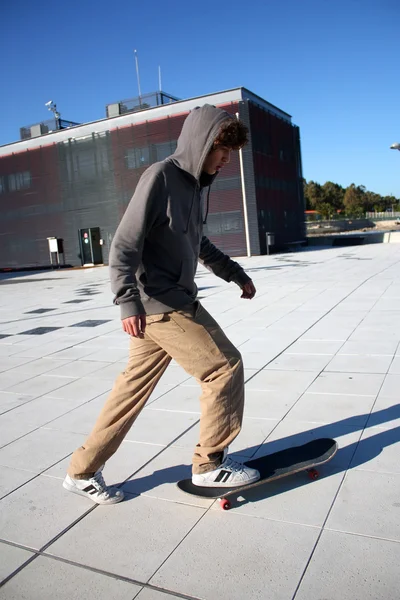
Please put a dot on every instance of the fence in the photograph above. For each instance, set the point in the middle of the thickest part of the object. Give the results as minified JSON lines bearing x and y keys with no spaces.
{"x":389,"y":214}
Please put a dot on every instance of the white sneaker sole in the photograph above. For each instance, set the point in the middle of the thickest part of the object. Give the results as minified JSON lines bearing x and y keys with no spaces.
{"x":75,"y":490}
{"x":218,"y":484}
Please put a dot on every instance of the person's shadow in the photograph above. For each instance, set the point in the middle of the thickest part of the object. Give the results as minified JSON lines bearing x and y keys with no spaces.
{"x":347,"y":457}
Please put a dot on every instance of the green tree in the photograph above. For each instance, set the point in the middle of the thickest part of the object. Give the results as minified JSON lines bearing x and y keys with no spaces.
{"x":333,"y":194}
{"x":354,"y":201}
{"x":313,"y":195}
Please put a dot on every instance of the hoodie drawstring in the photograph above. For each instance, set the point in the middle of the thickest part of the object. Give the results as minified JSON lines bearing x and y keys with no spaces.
{"x":190,"y":211}
{"x":208,"y":205}
{"x":191,"y":208}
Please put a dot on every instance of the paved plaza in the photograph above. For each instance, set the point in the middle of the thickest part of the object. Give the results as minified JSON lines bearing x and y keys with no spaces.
{"x":320,"y":344}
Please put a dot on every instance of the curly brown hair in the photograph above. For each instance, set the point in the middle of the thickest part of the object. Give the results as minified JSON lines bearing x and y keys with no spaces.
{"x":233,"y":134}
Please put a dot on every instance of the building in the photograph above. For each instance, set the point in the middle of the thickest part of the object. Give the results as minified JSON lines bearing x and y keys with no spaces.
{"x":74,"y":184}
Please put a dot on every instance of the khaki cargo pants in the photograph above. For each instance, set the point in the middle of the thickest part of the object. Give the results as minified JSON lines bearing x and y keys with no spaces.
{"x":197,"y":343}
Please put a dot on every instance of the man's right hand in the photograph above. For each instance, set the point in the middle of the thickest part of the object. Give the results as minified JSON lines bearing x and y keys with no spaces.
{"x":135,"y":326}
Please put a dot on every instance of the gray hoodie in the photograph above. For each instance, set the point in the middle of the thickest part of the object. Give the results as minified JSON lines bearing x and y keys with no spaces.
{"x":159,"y":241}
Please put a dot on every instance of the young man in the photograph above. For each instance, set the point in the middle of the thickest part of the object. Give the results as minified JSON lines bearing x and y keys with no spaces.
{"x":153,"y":262}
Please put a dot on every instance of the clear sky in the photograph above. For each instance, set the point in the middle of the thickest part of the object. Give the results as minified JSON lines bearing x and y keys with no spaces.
{"x":333,"y":65}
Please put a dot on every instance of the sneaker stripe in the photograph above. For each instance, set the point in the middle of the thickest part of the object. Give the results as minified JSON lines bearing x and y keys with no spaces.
{"x":222,"y":476}
{"x":90,"y":489}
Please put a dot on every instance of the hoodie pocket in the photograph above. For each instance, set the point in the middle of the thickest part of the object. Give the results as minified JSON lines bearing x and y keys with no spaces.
{"x":188,"y":271}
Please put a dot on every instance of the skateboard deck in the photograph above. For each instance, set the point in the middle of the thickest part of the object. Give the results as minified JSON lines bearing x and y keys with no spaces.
{"x":271,"y":467}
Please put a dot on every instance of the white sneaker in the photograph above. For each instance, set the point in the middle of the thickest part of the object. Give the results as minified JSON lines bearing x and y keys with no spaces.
{"x":94,"y":488}
{"x":229,"y":474}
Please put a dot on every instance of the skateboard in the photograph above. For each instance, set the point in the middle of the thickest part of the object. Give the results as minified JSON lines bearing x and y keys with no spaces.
{"x":271,"y":467}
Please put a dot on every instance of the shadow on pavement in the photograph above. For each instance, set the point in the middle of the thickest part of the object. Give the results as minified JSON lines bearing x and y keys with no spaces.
{"x":347,"y":457}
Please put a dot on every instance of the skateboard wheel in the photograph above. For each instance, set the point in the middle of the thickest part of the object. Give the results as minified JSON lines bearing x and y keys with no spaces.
{"x":313,"y":474}
{"x":225,"y":504}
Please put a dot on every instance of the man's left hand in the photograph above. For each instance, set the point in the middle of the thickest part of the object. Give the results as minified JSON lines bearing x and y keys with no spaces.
{"x":248,"y":290}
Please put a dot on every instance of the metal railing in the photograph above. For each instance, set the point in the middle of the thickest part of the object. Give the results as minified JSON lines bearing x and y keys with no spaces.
{"x":140,"y":103}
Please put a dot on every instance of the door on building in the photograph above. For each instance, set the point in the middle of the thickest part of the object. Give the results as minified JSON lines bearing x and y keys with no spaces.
{"x":90,"y":243}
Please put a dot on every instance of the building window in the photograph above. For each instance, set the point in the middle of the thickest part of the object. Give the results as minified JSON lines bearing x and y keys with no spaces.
{"x":164,"y":150}
{"x":19,"y":181}
{"x":2,"y":184}
{"x":222,"y":223}
{"x":137,"y":157}
{"x":86,"y":157}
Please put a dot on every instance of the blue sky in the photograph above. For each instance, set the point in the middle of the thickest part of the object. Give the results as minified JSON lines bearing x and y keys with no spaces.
{"x":334,"y":66}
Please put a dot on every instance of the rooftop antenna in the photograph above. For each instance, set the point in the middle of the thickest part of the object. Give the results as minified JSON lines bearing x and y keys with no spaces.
{"x":159,"y":78}
{"x":137,"y":75}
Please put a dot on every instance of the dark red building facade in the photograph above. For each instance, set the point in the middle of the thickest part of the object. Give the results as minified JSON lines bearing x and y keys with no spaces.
{"x":75,"y":184}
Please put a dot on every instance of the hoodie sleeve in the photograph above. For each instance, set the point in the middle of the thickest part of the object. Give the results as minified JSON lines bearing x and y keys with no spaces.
{"x":127,"y":245}
{"x":220,"y":264}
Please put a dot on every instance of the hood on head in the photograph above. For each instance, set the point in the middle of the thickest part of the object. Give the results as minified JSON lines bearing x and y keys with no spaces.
{"x":198,"y":133}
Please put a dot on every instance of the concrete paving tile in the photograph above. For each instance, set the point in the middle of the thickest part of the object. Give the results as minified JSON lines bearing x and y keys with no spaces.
{"x":85,"y":388}
{"x":109,"y":371}
{"x":39,"y":450}
{"x":345,"y":363}
{"x":372,"y":347}
{"x":327,"y":334}
{"x":238,"y":571}
{"x":32,"y":515}
{"x":368,"y":504}
{"x":39,"y":385}
{"x":352,"y":567}
{"x":9,"y":379}
{"x":394,"y":368}
{"x":54,"y":350}
{"x":372,"y":333}
{"x":269,"y":404}
{"x":259,"y":360}
{"x":31,"y":415}
{"x":300,"y":362}
{"x":390,"y":387}
{"x":40,"y":366}
{"x":73,"y":353}
{"x":149,"y":527}
{"x":107,"y":355}
{"x":268,"y":343}
{"x":149,"y":594}
{"x":11,"y":559}
{"x":327,"y":408}
{"x":11,"y":428}
{"x":11,"y":479}
{"x":75,"y":368}
{"x":281,"y":381}
{"x":10,"y":362}
{"x":80,"y":419}
{"x":41,"y":410}
{"x":378,"y":450}
{"x":358,"y":384}
{"x":181,"y":399}
{"x":8,"y":401}
{"x":46,"y":578}
{"x":385,"y":413}
{"x":8,"y":350}
{"x":160,"y":427}
{"x":314,"y":347}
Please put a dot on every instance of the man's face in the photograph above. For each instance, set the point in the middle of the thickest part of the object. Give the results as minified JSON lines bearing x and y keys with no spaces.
{"x":217,"y":159}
